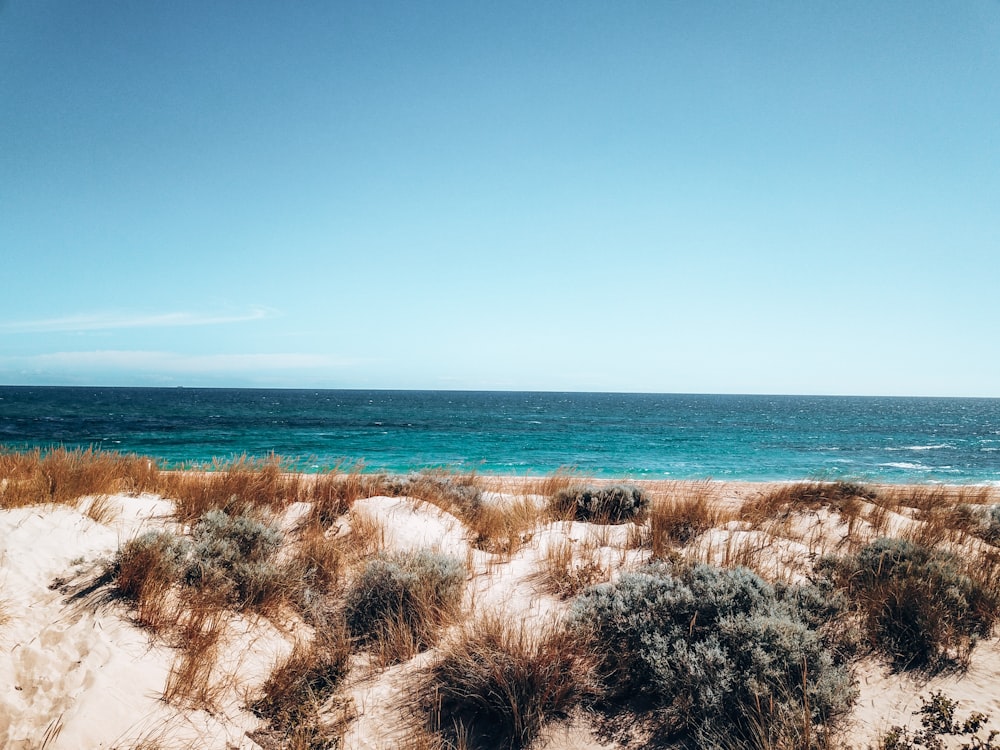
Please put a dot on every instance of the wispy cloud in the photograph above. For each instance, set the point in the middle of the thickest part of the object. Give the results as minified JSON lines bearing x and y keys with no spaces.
{"x":117,"y":320}
{"x":174,"y":363}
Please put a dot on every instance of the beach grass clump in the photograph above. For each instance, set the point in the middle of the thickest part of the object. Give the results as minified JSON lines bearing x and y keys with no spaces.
{"x":920,"y":606}
{"x":842,"y":497}
{"x":243,"y":486}
{"x":498,"y":680}
{"x":680,"y":520}
{"x":63,"y":476}
{"x":720,"y":656}
{"x":145,"y":568}
{"x":398,"y":604}
{"x":192,"y":681}
{"x":612,"y":503}
{"x":569,"y":567}
{"x":293,"y":696}
{"x":232,"y":558}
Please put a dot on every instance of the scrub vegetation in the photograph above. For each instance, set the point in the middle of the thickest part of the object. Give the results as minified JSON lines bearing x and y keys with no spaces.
{"x":667,"y":614}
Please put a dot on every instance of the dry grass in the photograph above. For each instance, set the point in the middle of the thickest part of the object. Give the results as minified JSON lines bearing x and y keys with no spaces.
{"x":190,"y":682}
{"x":295,"y":693}
{"x":682,"y":517}
{"x":844,"y":498}
{"x":368,"y":534}
{"x":498,"y":528}
{"x":503,"y":528}
{"x":933,"y":497}
{"x":550,"y":485}
{"x":499,"y":679}
{"x":145,"y":571}
{"x":63,"y":476}
{"x":568,"y":567}
{"x":242,"y":486}
{"x":98,"y":508}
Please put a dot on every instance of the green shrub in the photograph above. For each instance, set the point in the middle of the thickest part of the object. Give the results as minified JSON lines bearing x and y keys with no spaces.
{"x":233,"y":558}
{"x":918,"y":604}
{"x":937,"y":720}
{"x":718,"y":653}
{"x":457,"y":493}
{"x":615,"y":503}
{"x":404,"y":596}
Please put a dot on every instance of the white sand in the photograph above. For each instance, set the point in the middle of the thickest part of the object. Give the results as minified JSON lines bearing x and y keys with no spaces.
{"x":76,"y":674}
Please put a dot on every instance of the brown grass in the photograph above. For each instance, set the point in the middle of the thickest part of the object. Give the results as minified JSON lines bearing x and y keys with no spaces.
{"x":844,"y":498}
{"x":504,"y":527}
{"x":550,"y":485}
{"x":499,"y":680}
{"x":294,"y":694}
{"x":682,"y":517}
{"x":368,"y":534}
{"x":569,"y":567}
{"x":63,"y":476}
{"x":500,"y":528}
{"x":243,"y":486}
{"x":190,"y":682}
{"x":144,"y":571}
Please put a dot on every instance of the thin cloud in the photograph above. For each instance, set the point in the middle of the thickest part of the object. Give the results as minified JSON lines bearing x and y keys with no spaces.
{"x":174,"y":363}
{"x":113,"y":321}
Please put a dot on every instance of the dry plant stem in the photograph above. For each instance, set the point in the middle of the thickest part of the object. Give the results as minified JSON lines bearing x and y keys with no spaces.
{"x":498,"y":680}
{"x":190,"y":680}
{"x":63,"y":476}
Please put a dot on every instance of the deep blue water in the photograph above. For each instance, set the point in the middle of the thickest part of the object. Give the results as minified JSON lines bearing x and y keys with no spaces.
{"x":602,"y":434}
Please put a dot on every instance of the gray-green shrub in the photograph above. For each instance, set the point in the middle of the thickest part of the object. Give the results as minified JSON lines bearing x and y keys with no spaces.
{"x":722,"y":658}
{"x":232,"y":557}
{"x":404,"y":593}
{"x":919,"y":605}
{"x":152,"y":557}
{"x":616,"y":503}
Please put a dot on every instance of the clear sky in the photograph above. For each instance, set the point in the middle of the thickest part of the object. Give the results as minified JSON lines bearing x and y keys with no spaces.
{"x":732,"y":197}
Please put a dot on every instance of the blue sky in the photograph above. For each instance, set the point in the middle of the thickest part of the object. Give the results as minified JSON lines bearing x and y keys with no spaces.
{"x":775,"y":197}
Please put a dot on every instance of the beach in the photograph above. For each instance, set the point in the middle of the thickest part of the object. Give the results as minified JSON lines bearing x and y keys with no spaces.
{"x":89,"y":667}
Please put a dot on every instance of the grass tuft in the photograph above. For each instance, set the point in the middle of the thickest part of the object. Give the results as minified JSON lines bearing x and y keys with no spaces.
{"x":498,"y":680}
{"x":297,"y":689}
{"x":400,"y":602}
{"x":922,"y":607}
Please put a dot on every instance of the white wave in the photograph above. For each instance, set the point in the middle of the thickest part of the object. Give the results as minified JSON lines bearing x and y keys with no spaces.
{"x":906,"y":465}
{"x":937,"y":447}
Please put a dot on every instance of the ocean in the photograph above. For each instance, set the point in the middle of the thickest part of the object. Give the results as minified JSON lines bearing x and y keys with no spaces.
{"x":641,"y":436}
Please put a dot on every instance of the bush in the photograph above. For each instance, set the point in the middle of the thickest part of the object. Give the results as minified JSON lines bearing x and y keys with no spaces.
{"x":497,"y":682}
{"x":615,"y":503}
{"x":400,"y":600}
{"x":232,"y":558}
{"x":721,"y":656}
{"x":456,"y":493}
{"x":143,"y":571}
{"x":155,"y":557}
{"x":937,"y":720}
{"x":917,"y":604}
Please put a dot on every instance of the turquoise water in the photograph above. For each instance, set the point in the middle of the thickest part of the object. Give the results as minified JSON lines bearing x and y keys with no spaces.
{"x":635,"y":435}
